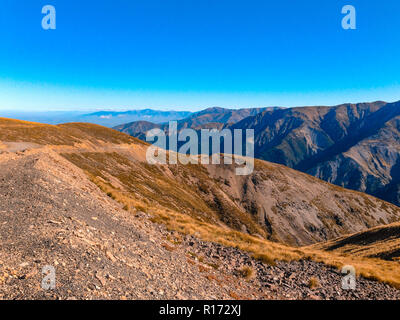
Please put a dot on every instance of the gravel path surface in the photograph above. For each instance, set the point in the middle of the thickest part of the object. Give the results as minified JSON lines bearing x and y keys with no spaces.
{"x":291,"y":280}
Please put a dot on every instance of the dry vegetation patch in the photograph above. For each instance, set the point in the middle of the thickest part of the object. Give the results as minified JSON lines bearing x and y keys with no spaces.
{"x":313,"y":283}
{"x":246,"y":272}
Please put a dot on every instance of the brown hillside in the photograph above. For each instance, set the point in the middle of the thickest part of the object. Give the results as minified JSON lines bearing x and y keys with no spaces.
{"x":273,"y":202}
{"x":107,"y":169}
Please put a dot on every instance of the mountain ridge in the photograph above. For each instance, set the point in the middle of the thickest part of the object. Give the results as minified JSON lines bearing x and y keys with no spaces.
{"x":214,"y":193}
{"x":356,"y":146}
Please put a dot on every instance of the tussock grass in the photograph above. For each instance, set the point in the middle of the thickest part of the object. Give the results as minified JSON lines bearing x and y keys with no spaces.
{"x":155,"y":186}
{"x":264,"y":258}
{"x":246,"y":272}
{"x":313,"y":283}
{"x":267,"y":251}
{"x":173,"y":203}
{"x":370,"y":268}
{"x":63,"y":134}
{"x":373,"y":253}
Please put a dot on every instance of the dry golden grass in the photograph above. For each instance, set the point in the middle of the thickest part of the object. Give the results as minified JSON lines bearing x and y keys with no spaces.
{"x":313,"y":283}
{"x":64,"y":134}
{"x":154,"y":186}
{"x":266,"y":251}
{"x":246,"y":272}
{"x":382,"y":242}
{"x":373,"y":253}
{"x":182,"y":207}
{"x":264,"y":258}
{"x":370,"y":268}
{"x":179,"y":209}
{"x":224,"y":235}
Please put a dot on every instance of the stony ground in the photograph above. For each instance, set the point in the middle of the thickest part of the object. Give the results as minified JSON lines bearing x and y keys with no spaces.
{"x":291,"y":280}
{"x":51,"y":214}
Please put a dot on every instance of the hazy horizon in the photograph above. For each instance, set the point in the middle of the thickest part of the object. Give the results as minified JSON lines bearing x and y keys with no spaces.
{"x":174,"y":109}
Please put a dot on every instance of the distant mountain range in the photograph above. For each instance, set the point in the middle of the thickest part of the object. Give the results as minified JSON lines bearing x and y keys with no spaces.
{"x":351,"y":145}
{"x":113,"y":118}
{"x":208,"y":118}
{"x":104,"y":118}
{"x":356,"y":146}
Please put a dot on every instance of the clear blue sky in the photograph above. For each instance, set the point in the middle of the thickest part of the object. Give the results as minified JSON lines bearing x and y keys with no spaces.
{"x":191,"y":54}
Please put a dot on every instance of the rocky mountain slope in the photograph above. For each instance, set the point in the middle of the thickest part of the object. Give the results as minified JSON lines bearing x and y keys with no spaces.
{"x":300,"y":279}
{"x":51,"y":214}
{"x":75,"y":195}
{"x":273,"y":202}
{"x":355,"y":146}
{"x":208,"y":118}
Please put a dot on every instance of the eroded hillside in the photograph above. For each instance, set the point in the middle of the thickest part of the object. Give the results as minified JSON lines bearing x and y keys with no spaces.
{"x":51,"y":214}
{"x":355,"y":146}
{"x":274,"y":202}
{"x":76,"y":195}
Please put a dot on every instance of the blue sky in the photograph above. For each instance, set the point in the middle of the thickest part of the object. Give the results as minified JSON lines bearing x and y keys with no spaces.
{"x":192,"y":54}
